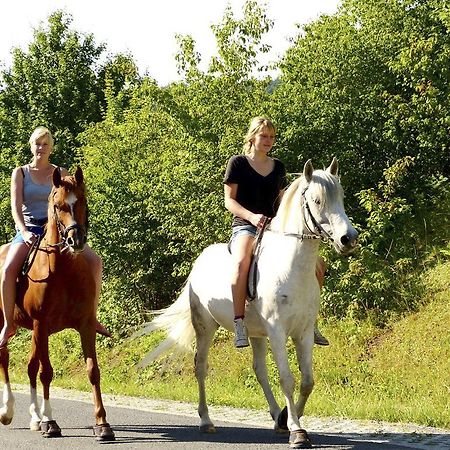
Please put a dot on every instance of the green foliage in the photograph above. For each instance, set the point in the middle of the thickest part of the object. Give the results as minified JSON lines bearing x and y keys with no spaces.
{"x":383,"y":275}
{"x":369,"y":84}
{"x":53,"y":84}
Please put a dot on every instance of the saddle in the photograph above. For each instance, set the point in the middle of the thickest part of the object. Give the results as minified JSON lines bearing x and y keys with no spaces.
{"x":253,"y":271}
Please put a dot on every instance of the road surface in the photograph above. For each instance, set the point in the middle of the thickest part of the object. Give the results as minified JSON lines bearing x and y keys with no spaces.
{"x":139,"y":426}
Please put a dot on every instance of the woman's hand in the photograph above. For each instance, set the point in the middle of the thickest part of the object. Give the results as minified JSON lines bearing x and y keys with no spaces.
{"x":257,"y":220}
{"x":29,"y":237}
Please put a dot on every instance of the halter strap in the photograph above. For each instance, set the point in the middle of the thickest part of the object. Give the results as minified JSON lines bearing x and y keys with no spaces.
{"x":320,"y":232}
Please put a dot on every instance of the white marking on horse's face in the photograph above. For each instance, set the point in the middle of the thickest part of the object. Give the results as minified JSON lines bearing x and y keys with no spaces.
{"x":71,"y":199}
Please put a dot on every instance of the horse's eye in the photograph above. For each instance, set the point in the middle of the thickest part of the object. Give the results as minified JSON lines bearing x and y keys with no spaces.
{"x":317,"y":201}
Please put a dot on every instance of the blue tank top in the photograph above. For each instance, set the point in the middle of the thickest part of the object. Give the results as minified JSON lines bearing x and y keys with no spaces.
{"x":35,"y":199}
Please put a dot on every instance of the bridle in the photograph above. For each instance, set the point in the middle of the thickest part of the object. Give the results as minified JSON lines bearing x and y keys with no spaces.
{"x":318,"y":231}
{"x":63,"y":231}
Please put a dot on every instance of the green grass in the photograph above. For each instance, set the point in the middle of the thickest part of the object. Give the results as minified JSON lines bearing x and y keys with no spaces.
{"x":399,"y":373}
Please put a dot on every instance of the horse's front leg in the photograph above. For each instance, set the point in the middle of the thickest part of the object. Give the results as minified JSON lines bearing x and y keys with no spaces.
{"x":298,"y":437}
{"x":33,"y":368}
{"x":7,"y":410}
{"x":102,"y":429}
{"x":259,"y":348}
{"x":48,"y":426}
{"x":304,"y":350}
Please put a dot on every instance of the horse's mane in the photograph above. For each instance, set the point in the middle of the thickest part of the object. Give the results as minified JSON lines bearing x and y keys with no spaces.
{"x":323,"y":186}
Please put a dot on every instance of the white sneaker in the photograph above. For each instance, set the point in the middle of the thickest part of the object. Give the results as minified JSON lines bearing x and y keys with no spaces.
{"x":240,"y":334}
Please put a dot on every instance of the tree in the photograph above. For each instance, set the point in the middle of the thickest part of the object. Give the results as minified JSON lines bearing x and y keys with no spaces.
{"x":56,"y":84}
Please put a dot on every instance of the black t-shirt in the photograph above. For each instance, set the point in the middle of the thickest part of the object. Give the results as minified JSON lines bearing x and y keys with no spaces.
{"x":255,"y":192}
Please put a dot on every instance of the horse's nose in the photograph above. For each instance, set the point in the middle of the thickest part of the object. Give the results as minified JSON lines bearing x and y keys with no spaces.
{"x":349,"y":239}
{"x":76,"y":241}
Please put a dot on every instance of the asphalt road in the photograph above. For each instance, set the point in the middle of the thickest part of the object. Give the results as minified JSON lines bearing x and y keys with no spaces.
{"x":153,"y":430}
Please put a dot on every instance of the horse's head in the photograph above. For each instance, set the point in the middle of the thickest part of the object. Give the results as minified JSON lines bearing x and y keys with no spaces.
{"x":323,"y":207}
{"x":322,"y":214}
{"x":68,"y":209}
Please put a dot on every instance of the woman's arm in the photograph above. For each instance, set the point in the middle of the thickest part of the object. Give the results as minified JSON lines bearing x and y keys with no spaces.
{"x":237,"y":209}
{"x":17,"y":199}
{"x":16,"y":205}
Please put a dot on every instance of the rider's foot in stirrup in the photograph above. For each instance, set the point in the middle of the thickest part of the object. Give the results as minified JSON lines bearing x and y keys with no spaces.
{"x":240,"y":334}
{"x":319,"y":338}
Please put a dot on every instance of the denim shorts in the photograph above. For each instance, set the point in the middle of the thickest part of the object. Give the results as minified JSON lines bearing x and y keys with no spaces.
{"x":18,"y":238}
{"x":241,"y":230}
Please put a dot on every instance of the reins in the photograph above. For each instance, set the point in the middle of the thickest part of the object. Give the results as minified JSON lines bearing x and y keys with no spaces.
{"x":31,"y":255}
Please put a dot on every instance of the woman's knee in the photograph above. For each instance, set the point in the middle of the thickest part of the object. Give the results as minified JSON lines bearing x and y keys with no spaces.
{"x":12,"y":266}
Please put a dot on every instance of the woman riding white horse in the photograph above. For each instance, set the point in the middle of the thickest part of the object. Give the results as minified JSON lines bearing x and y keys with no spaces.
{"x":287,"y":300}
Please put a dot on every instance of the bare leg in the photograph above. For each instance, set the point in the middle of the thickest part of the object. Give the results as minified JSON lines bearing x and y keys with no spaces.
{"x":13,"y":263}
{"x":242,"y":251}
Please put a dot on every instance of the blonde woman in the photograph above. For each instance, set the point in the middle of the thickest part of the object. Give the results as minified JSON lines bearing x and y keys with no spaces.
{"x":253,"y":185}
{"x":30,"y":188}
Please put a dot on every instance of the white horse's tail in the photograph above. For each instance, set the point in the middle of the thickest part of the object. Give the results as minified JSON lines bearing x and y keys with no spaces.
{"x":176,"y":322}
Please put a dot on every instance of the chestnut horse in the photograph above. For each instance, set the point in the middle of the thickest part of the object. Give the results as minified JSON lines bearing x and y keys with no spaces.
{"x":58,"y":292}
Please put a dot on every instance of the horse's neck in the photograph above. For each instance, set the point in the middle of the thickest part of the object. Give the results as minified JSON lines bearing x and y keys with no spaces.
{"x":291,"y":224}
{"x":52,"y":235}
{"x":289,"y":245}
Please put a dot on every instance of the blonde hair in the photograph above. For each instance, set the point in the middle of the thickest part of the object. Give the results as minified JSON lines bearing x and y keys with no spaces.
{"x":256,"y":125}
{"x":39,"y":133}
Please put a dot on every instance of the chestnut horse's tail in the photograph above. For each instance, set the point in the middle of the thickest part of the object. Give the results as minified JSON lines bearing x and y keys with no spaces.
{"x":176,"y":322}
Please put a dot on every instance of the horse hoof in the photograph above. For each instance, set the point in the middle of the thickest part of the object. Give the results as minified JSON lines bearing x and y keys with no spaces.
{"x":207,"y":428}
{"x":50,"y":429}
{"x":5,"y":420}
{"x":299,"y":439}
{"x":35,"y":426}
{"x":281,"y":423}
{"x":104,"y":432}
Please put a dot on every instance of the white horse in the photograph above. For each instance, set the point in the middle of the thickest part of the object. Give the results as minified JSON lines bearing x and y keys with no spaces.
{"x":287,"y":300}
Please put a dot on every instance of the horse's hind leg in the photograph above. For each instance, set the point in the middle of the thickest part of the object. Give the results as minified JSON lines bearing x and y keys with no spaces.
{"x":7,"y":410}
{"x":102,"y":429}
{"x":259,"y":348}
{"x":205,"y":327}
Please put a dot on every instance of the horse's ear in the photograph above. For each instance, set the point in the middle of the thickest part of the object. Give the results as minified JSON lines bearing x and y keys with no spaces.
{"x":308,"y":170}
{"x":79,"y":176}
{"x":56,"y":177}
{"x":334,"y":167}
